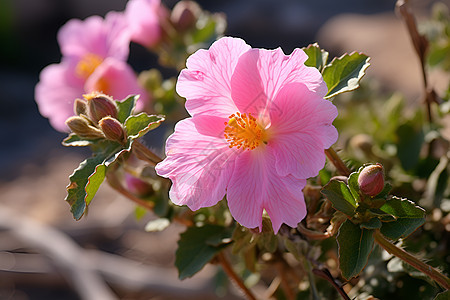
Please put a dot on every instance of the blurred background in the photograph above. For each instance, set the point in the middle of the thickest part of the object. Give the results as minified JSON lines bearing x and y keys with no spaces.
{"x":44,"y":253}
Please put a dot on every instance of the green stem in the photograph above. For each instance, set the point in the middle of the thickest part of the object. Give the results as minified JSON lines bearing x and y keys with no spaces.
{"x":411,"y":260}
{"x":337,"y":162}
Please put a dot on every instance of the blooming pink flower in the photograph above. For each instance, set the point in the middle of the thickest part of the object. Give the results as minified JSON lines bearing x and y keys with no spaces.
{"x":94,"y":59}
{"x":258,"y":129}
{"x":144,"y":21}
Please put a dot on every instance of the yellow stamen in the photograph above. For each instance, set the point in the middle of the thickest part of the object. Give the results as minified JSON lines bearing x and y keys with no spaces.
{"x":87,"y":65}
{"x":243,"y":131}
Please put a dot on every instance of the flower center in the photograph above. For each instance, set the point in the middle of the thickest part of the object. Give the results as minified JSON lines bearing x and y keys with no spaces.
{"x":87,"y":65}
{"x":243,"y":131}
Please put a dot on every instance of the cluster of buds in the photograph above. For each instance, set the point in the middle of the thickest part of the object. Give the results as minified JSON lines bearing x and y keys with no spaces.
{"x":96,"y":117}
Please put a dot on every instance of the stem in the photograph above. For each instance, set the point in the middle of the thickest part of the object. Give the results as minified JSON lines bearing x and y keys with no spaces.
{"x":115,"y":184}
{"x":325,"y":274}
{"x":411,"y":260}
{"x":284,"y":281}
{"x":313,"y":235}
{"x":337,"y":162}
{"x":234,"y":277}
{"x":145,"y":154}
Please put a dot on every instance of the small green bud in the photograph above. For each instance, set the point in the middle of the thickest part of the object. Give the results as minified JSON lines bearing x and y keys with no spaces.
{"x":81,"y":127}
{"x":100,"y":106}
{"x":112,"y":129}
{"x":371,"y":180}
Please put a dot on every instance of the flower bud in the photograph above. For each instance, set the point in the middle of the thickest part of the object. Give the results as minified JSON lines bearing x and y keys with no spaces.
{"x":80,"y":126}
{"x":137,"y":186}
{"x":185,"y":14}
{"x":112,"y":129}
{"x":100,"y":106}
{"x":371,"y":180}
{"x":80,"y":107}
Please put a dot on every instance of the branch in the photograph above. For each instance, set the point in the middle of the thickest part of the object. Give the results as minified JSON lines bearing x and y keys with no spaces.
{"x":411,"y":260}
{"x":337,"y":162}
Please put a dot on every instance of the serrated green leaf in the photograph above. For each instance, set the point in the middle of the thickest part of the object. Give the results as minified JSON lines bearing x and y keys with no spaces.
{"x":402,"y":208}
{"x":137,"y":126}
{"x":373,"y":223}
{"x":78,"y":190}
{"x":401,"y":227}
{"x":443,"y":296}
{"x":316,"y":57}
{"x":353,"y":185}
{"x":340,"y":197}
{"x":344,"y":73}
{"x":355,"y":245}
{"x":125,"y":108}
{"x":195,"y":249}
{"x":76,"y":141}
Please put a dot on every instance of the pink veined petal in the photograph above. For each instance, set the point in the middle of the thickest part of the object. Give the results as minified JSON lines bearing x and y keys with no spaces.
{"x":198,"y":165}
{"x":55,"y":94}
{"x":143,"y":19}
{"x":107,"y":37}
{"x":301,"y":130}
{"x":117,"y":79}
{"x":255,"y":186}
{"x":260,"y":74}
{"x":206,"y":82}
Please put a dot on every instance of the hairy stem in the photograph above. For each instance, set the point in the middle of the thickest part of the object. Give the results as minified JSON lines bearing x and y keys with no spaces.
{"x":115,"y":184}
{"x":337,"y":162}
{"x":145,"y":154}
{"x":411,"y":260}
{"x":234,"y":277}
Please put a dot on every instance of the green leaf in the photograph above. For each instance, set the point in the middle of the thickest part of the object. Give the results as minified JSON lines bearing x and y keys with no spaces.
{"x":140,"y":124}
{"x":76,"y":141}
{"x":402,"y":208}
{"x":316,"y":57}
{"x":409,"y":144}
{"x":340,"y":196}
{"x":197,"y":246}
{"x":344,"y":73}
{"x":79,"y":190}
{"x":355,"y":245}
{"x":373,"y":223}
{"x":125,"y":108}
{"x":443,"y":296}
{"x":353,"y":184}
{"x":401,"y":227}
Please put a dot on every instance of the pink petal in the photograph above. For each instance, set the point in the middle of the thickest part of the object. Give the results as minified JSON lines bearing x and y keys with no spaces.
{"x":198,"y":165}
{"x":107,"y":37}
{"x":55,"y":94}
{"x":255,"y":186}
{"x":260,"y":74}
{"x":143,"y":19}
{"x":301,"y":130}
{"x":206,"y":82}
{"x":117,"y":79}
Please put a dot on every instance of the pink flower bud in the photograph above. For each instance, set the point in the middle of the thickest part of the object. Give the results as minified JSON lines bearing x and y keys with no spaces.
{"x":112,"y":129}
{"x":100,"y":106}
{"x":371,"y":180}
{"x":81,"y":127}
{"x":185,"y":14}
{"x":137,"y":186}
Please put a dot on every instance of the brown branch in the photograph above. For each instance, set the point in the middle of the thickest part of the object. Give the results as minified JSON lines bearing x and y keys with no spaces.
{"x":233,"y":276}
{"x":313,"y":235}
{"x":411,"y":260}
{"x":337,"y":162}
{"x":280,"y":266}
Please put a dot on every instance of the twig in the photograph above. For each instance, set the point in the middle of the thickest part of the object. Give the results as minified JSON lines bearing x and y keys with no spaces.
{"x":284,"y":281}
{"x":234,"y":277}
{"x":325,"y":274}
{"x":411,"y":260}
{"x":313,"y":235}
{"x":337,"y":162}
{"x":145,"y":154}
{"x":420,"y":44}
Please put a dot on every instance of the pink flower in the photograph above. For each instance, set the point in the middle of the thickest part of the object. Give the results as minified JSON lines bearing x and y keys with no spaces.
{"x":258,"y":129}
{"x":144,"y":21}
{"x":94,"y":59}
